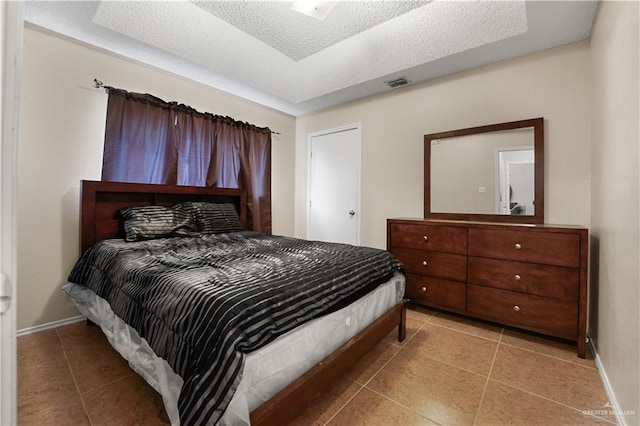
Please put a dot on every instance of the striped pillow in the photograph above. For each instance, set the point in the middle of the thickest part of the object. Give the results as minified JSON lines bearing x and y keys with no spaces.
{"x":148,"y":222}
{"x":213,"y":218}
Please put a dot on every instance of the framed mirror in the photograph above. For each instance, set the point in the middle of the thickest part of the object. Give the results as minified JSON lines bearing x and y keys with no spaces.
{"x":489,"y":173}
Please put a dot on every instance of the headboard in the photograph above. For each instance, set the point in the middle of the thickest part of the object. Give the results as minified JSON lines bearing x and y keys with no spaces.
{"x":101,"y":202}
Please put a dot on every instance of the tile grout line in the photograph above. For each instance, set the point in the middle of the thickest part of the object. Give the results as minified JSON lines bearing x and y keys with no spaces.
{"x":498,"y":342}
{"x":444,"y":362}
{"x":550,"y":356}
{"x":403,"y":347}
{"x":486,"y":384}
{"x":362,"y":386}
{"x":393,"y":356}
{"x":403,"y":406}
{"x":551,"y":400}
{"x":454,"y":365}
{"x":467,"y":333}
{"x":510,"y":344}
{"x":101,"y":386}
{"x":104,"y":385}
{"x":501,"y":342}
{"x":475,"y":373}
{"x":428,"y":322}
{"x":75,"y":382}
{"x":345,"y":404}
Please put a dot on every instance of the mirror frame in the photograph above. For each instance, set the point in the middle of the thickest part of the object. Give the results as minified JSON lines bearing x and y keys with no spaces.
{"x":538,"y":145}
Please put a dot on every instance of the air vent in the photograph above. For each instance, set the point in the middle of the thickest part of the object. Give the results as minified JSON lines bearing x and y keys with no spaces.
{"x":400,"y":81}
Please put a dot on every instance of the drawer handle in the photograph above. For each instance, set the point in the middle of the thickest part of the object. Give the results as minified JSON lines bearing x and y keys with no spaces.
{"x":517,"y":246}
{"x":424,"y":237}
{"x":517,"y":277}
{"x":425,"y":263}
{"x":424,"y":289}
{"x":516,"y":308}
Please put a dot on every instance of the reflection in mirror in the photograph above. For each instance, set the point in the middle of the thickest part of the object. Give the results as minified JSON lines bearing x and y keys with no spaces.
{"x":515,"y":169}
{"x":477,"y":173}
{"x":493,"y":172}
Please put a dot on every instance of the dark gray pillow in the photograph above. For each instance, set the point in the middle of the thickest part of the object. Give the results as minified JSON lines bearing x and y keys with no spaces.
{"x":213,"y":218}
{"x":148,"y":222}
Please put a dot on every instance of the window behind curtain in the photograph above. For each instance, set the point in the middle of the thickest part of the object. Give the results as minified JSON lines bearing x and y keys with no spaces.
{"x":148,"y":140}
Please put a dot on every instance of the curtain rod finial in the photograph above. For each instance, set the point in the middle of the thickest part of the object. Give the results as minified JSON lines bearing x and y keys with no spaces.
{"x":97,"y":83}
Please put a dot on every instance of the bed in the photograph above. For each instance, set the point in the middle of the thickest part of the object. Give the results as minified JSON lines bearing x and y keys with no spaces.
{"x":266,"y":390}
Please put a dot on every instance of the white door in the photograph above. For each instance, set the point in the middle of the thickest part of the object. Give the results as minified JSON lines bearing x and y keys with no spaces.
{"x":506,"y":159}
{"x":11,"y":42}
{"x":334,"y":185}
{"x":521,"y":175}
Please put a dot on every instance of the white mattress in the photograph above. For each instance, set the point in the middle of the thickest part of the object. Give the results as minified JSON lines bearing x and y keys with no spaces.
{"x":266,"y":371}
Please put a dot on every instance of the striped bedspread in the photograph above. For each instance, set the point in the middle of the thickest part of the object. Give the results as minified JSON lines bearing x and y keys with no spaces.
{"x":203,"y":303}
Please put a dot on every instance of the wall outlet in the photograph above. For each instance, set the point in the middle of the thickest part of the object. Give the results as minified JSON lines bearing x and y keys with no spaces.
{"x":482,"y":189}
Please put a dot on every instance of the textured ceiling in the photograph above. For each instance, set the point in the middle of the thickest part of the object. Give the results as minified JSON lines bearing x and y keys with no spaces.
{"x":299,"y":36}
{"x":266,"y":53}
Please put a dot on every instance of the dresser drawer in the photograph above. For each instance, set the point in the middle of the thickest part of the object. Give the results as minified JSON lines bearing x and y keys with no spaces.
{"x":538,"y":247}
{"x":554,"y":317}
{"x":542,"y":280}
{"x":436,"y":292}
{"x":433,"y":263}
{"x":427,"y":237}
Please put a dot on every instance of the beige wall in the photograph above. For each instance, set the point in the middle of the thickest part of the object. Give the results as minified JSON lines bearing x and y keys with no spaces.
{"x":615,"y":200}
{"x":553,"y":84}
{"x":61,"y":135}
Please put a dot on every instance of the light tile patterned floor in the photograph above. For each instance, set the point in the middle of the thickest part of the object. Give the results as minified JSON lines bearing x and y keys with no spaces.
{"x":450,"y":370}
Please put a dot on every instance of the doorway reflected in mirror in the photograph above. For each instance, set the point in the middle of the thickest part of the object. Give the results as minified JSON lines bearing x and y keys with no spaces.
{"x":515,"y":169}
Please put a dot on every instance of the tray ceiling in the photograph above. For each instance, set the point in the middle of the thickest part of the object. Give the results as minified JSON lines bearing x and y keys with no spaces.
{"x":266,"y":52}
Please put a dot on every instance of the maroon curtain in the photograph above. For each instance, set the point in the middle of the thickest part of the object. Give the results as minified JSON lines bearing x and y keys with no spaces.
{"x":224,"y":169}
{"x":196,"y":147}
{"x":148,"y":140}
{"x":140,"y":140}
{"x":255,"y":175}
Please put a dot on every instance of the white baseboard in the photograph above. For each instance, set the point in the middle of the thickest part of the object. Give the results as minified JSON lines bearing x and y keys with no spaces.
{"x":54,"y":324}
{"x":608,"y":389}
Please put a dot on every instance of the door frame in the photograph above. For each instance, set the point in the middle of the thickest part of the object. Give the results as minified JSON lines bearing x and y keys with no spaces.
{"x":11,"y":33}
{"x":310,"y":136}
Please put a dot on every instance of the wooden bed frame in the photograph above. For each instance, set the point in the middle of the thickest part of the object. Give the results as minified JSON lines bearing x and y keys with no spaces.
{"x":101,"y":202}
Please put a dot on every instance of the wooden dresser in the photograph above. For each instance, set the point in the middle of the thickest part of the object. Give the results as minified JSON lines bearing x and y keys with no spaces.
{"x":529,"y":276}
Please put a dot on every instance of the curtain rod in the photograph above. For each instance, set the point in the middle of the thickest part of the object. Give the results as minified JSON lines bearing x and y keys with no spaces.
{"x":100,"y":85}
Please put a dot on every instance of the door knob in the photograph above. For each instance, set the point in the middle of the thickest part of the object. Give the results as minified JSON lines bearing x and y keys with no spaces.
{"x":352,"y":213}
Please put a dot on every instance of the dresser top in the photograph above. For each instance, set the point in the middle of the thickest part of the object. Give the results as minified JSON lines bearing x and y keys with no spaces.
{"x":500,"y":225}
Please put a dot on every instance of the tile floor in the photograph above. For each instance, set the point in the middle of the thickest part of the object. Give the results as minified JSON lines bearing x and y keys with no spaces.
{"x":449,"y":371}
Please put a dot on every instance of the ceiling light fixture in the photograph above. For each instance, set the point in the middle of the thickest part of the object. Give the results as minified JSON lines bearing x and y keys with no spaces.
{"x":318,"y":9}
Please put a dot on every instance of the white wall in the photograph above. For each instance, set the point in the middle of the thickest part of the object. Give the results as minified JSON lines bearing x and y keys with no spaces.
{"x":553,"y":84}
{"x":61,"y":139}
{"x":615,"y":203}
